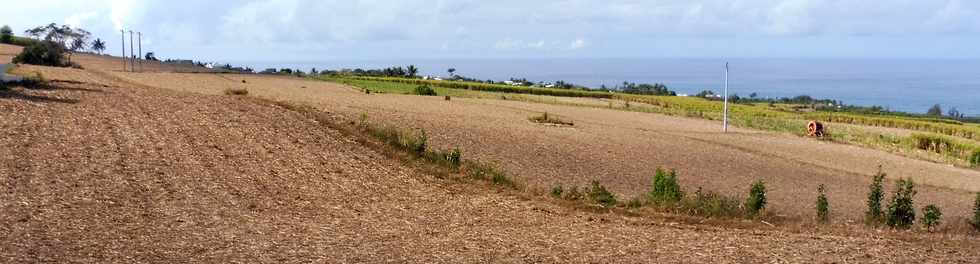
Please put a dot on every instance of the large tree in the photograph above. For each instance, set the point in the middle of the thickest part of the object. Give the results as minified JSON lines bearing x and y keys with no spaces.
{"x":935,"y":110}
{"x":77,"y":43}
{"x":63,"y":34}
{"x":6,"y":34}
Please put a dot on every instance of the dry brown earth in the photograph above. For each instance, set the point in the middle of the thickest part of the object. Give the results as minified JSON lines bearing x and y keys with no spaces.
{"x":621,"y":149}
{"x":98,"y":169}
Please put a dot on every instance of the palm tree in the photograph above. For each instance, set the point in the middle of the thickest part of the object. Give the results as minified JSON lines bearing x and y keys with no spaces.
{"x":98,"y":45}
{"x":412,"y":71}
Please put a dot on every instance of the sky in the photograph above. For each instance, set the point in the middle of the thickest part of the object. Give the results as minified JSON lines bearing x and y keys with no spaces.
{"x":310,"y":30}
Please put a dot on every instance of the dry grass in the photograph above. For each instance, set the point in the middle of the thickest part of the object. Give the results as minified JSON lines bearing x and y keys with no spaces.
{"x":552,"y":119}
{"x":233,"y":91}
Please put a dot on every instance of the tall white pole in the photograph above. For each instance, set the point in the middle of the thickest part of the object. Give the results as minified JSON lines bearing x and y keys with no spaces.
{"x":132,"y":59}
{"x":139,"y":55}
{"x":726,"y":98}
{"x":123,"y":31}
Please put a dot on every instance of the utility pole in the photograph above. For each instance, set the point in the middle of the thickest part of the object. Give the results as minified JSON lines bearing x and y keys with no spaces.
{"x":726,"y":98}
{"x":123,"y":31}
{"x":140,"y":55}
{"x":132,"y":63}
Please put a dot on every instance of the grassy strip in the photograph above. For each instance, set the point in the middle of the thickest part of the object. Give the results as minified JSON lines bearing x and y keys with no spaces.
{"x":948,"y":146}
{"x":698,"y":107}
{"x":666,"y":196}
{"x":550,"y":119}
{"x":483,"y":87}
{"x":413,"y":146}
{"x":945,"y":127}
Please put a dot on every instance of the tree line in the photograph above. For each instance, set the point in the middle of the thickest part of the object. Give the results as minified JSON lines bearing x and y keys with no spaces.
{"x":48,"y":44}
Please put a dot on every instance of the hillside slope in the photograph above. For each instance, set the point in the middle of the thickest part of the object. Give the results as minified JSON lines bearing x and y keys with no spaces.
{"x":96,"y":169}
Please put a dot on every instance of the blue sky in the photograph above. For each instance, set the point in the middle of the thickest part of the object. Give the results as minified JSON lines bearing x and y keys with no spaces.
{"x":307,"y":30}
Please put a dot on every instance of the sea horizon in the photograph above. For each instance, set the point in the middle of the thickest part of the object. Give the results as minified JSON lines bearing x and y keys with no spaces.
{"x":899,"y":84}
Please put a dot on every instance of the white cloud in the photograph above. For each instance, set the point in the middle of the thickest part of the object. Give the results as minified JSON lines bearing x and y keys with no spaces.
{"x":81,"y":19}
{"x":578,"y":44}
{"x":537,"y":45}
{"x":955,"y":17}
{"x":790,"y":17}
{"x":381,"y":28}
{"x":508,"y":44}
{"x":120,"y":13}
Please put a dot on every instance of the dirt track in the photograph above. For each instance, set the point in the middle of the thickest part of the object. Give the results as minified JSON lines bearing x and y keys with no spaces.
{"x":99,"y":170}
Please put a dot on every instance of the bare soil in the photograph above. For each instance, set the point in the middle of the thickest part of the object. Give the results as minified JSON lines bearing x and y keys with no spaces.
{"x":99,"y":168}
{"x":622,"y":149}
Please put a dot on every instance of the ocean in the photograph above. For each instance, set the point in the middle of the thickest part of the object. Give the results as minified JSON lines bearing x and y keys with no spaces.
{"x":910,"y":85}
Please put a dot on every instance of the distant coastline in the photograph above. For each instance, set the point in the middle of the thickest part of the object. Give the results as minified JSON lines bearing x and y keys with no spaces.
{"x":908,"y":85}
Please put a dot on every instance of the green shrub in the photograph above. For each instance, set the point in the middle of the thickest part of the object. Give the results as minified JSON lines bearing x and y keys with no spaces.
{"x":454,"y":158}
{"x":901,"y":209}
{"x":710,"y":204}
{"x":665,"y":188}
{"x":44,"y":53}
{"x":413,"y":142}
{"x":975,"y":158}
{"x":424,"y":90}
{"x":573,"y":194}
{"x":483,"y":171}
{"x":876,"y":194}
{"x":363,"y":119}
{"x":634,"y":203}
{"x":757,"y":198}
{"x":599,"y":195}
{"x":556,"y":191}
{"x":501,"y":179}
{"x":931,"y":216}
{"x":823,"y":206}
{"x":975,"y":222}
